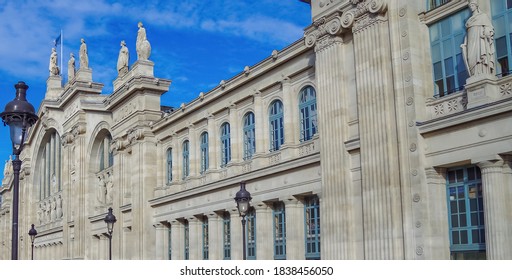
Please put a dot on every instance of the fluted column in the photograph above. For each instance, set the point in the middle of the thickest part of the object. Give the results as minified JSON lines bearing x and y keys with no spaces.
{"x":339,"y":224}
{"x":177,"y":240}
{"x":215,"y":237}
{"x":162,"y":242}
{"x":498,"y":226}
{"x":236,"y":235}
{"x":382,"y":210}
{"x":295,"y":242}
{"x":264,"y":231}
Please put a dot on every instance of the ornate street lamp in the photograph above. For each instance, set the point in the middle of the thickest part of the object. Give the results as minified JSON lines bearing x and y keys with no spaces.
{"x":19,"y":115}
{"x":243,"y":199}
{"x":110,"y":219}
{"x":32,"y":232}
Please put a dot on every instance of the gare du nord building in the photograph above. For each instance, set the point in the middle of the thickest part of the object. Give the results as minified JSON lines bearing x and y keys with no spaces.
{"x":368,"y":138}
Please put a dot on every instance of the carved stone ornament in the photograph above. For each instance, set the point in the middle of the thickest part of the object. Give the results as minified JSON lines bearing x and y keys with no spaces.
{"x":359,"y":17}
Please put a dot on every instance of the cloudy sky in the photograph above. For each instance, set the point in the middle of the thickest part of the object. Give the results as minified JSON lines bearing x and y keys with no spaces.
{"x":195,"y":43}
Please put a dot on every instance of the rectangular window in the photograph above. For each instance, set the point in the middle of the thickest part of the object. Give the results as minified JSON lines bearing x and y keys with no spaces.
{"x":227,"y":236}
{"x":187,"y":239}
{"x":170,"y":242}
{"x":312,"y":227}
{"x":466,"y":213}
{"x":449,"y":69}
{"x":432,"y":4}
{"x":502,"y":21}
{"x":279,"y":231}
{"x":206,"y":241}
{"x":251,"y":234}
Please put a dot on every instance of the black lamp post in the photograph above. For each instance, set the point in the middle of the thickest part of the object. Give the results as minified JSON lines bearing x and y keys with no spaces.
{"x":32,"y":232}
{"x":110,"y":219}
{"x":243,"y":199}
{"x":19,"y":115}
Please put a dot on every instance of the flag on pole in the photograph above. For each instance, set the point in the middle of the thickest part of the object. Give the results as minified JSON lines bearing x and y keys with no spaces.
{"x":57,"y":41}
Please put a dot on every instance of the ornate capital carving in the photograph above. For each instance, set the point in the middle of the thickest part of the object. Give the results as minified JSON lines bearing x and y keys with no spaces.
{"x":365,"y":13}
{"x":325,"y":31}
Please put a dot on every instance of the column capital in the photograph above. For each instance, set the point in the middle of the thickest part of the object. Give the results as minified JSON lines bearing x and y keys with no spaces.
{"x":487,"y":166}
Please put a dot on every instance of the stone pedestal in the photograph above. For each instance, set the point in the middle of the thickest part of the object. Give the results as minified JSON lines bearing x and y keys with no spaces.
{"x":53,"y":87}
{"x":84,"y":75}
{"x":141,"y":68}
{"x":481,"y":90}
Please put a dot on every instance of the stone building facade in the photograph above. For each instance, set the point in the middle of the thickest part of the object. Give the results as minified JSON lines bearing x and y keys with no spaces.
{"x":366,"y":139}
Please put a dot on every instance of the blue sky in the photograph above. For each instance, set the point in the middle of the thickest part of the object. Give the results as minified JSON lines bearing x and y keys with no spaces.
{"x":195,"y":43}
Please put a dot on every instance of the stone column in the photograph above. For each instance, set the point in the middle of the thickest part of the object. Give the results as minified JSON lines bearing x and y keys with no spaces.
{"x":295,"y":242}
{"x":195,"y":241}
{"x":339,"y":234}
{"x":236,"y":235}
{"x":498,"y":226}
{"x":437,"y":239}
{"x":216,"y":245}
{"x":193,"y":148}
{"x":162,"y":242}
{"x":382,"y":206}
{"x":177,"y":240}
{"x":264,"y":242}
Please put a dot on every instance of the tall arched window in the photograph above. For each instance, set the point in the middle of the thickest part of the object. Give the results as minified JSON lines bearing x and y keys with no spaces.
{"x":276,"y":125}
{"x":249,"y":136}
{"x":105,"y":155}
{"x":186,"y":159}
{"x":49,"y":167}
{"x":307,"y":109}
{"x":225,"y":139}
{"x":204,"y":152}
{"x":169,"y":166}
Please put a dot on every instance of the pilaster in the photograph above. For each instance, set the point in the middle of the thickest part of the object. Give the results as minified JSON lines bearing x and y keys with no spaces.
{"x":435,"y":223}
{"x":236,"y":235}
{"x":215,"y":237}
{"x":177,"y":240}
{"x":235,"y":133}
{"x":195,"y":241}
{"x":264,"y":240}
{"x":161,"y":242}
{"x":259,"y":115}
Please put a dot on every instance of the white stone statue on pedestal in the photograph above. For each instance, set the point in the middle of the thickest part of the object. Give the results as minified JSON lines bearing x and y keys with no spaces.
{"x":84,"y":57}
{"x":71,"y":67}
{"x":478,"y":47}
{"x":122,"y":60}
{"x":142,"y":46}
{"x":54,"y":69}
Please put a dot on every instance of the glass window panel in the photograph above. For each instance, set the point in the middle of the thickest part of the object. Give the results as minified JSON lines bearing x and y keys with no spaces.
{"x":451,"y":177}
{"x":459,"y":40}
{"x":463,"y":222}
{"x":471,"y":173}
{"x":472,"y":205}
{"x":499,"y":27}
{"x":455,"y":237}
{"x":474,"y":219}
{"x":462,"y":206}
{"x":438,"y":73}
{"x":448,"y":48}
{"x":464,"y":237}
{"x":460,"y":175}
{"x":450,"y":84}
{"x":482,"y":235}
{"x":460,"y":192}
{"x":498,"y":6}
{"x":455,"y":221}
{"x":501,"y":47}
{"x":446,"y":27}
{"x":453,"y":207}
{"x":448,"y":66}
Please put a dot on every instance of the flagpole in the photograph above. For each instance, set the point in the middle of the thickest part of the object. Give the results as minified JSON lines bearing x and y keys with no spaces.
{"x":61,"y":52}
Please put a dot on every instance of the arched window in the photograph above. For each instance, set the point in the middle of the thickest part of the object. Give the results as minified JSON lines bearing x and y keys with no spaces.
{"x":249,"y":136}
{"x":105,"y":155}
{"x":49,"y":168}
{"x":276,"y":125}
{"x":169,"y":166}
{"x":204,"y":152}
{"x":186,"y":159}
{"x":225,"y":139}
{"x":308,"y":117}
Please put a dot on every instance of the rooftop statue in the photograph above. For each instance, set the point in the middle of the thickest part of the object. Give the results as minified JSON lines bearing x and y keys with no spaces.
{"x":122,"y":60}
{"x":71,"y":67}
{"x":142,"y":46}
{"x":54,"y":69}
{"x":84,"y":58}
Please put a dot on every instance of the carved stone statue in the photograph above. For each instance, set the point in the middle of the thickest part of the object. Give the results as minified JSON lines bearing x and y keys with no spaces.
{"x":58,"y":201}
{"x":84,"y":58}
{"x":40,"y":214}
{"x":47,"y":211}
{"x":53,"y":205}
{"x":71,"y":67}
{"x":478,"y":46}
{"x":8,"y":169}
{"x":122,"y":60}
{"x":54,"y":69}
{"x":142,"y":46}
{"x":110,"y":188}
{"x":102,"y":190}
